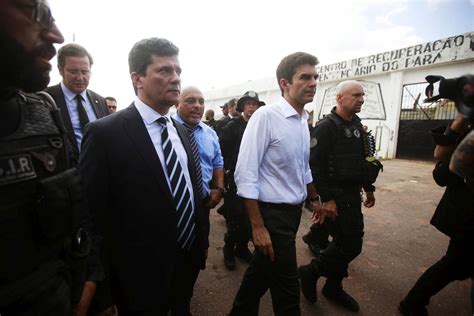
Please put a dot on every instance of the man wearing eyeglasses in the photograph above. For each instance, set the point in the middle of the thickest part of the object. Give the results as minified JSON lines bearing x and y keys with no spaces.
{"x":43,"y":219}
{"x":78,"y":104}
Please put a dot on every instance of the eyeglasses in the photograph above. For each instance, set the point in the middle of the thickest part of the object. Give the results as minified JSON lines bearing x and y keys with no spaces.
{"x":76,"y":72}
{"x":42,"y":15}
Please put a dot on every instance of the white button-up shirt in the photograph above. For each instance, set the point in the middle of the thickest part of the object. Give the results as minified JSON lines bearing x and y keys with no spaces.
{"x":273,"y":162}
{"x":154,"y":129}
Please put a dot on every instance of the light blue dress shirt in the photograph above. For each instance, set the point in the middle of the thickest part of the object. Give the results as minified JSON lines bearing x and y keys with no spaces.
{"x":71,"y":102}
{"x":209,"y":151}
{"x":273,"y":161}
{"x":154,"y":129}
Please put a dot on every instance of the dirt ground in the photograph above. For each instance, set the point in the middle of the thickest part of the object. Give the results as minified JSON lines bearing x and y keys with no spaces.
{"x":399,"y":244}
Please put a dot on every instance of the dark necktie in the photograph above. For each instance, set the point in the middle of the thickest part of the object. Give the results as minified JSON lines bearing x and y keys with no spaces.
{"x":179,"y":190}
{"x":197,"y":160}
{"x":83,"y":118}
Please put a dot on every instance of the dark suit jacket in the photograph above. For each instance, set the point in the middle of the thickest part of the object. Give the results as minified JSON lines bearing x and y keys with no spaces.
{"x":130,"y":200}
{"x":98,"y":104}
{"x":221,"y":123}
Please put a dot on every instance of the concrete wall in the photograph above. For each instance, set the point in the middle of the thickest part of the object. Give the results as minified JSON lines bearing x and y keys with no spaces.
{"x":385,"y":73}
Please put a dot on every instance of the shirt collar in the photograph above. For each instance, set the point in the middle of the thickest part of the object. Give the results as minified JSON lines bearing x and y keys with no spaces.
{"x":288,"y":111}
{"x":69,"y":95}
{"x":181,"y":121}
{"x":148,"y":114}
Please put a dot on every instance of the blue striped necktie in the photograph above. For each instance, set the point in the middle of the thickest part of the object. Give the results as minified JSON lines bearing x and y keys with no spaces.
{"x":179,"y":189}
{"x":197,"y":160}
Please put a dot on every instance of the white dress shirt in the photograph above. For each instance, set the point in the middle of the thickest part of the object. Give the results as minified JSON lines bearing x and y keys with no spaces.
{"x":273,"y":162}
{"x":154,"y":129}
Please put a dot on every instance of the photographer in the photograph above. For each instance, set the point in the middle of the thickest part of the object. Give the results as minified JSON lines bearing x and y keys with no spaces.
{"x":454,"y":216}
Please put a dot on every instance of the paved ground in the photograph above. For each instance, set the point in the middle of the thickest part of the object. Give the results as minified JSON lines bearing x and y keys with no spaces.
{"x":399,"y":245}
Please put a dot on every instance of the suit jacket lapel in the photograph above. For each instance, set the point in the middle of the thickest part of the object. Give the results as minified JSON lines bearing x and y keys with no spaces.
{"x":96,"y":105}
{"x":136,"y":130}
{"x":58,"y":95}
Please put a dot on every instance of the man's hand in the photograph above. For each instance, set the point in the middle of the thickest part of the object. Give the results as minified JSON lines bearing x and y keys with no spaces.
{"x":369,"y":199}
{"x":262,"y":241}
{"x":215,"y":197}
{"x":330,"y":208}
{"x":86,"y":298}
{"x":319,"y":214}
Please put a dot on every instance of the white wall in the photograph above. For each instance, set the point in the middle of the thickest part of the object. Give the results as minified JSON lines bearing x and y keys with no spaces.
{"x":449,"y":57}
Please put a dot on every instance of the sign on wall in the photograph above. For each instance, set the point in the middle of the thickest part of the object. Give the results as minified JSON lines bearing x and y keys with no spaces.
{"x":444,"y":50}
{"x":373,"y":107}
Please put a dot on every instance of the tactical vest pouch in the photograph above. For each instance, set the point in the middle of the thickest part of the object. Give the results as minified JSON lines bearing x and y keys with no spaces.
{"x":60,"y":196}
{"x":373,"y":168}
{"x":347,"y":168}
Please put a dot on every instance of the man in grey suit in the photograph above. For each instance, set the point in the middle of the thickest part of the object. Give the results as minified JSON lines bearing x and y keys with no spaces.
{"x":78,"y":104}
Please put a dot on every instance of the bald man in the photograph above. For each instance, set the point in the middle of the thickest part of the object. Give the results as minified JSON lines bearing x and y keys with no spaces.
{"x":208,"y":158}
{"x":338,"y":141}
{"x":189,"y":111}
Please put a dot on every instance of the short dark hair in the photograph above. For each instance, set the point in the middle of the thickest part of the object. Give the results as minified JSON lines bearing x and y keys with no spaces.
{"x":111,"y":99}
{"x":140,"y":55}
{"x":72,"y":50}
{"x":232,"y":102}
{"x":287,"y":67}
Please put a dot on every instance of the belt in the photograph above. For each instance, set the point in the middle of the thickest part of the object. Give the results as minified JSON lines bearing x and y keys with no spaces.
{"x":282,"y":206}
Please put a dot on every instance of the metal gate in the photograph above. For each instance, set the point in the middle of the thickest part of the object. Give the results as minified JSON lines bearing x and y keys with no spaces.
{"x":417,"y":119}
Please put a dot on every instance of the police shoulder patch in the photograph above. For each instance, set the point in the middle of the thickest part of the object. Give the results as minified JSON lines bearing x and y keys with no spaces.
{"x":16,"y":168}
{"x":313,"y":142}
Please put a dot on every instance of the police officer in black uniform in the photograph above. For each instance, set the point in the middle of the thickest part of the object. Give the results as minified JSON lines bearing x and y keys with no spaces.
{"x":454,"y":216}
{"x":238,"y":230}
{"x":43,"y":226}
{"x":339,"y":166}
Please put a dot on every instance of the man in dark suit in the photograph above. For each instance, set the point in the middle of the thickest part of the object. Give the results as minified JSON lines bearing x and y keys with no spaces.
{"x":154,"y":228}
{"x":78,"y":106}
{"x":74,"y":64}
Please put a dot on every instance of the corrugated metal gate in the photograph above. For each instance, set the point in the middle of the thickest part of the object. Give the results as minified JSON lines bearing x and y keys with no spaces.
{"x":417,"y":119}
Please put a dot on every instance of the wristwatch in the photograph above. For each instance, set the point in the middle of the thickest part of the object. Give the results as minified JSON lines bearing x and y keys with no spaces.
{"x":221,"y":190}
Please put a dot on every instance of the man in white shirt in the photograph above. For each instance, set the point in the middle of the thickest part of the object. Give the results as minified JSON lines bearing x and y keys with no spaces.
{"x":273,"y":178}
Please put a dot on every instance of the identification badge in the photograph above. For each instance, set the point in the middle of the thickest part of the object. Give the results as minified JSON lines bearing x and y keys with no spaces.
{"x":16,"y":168}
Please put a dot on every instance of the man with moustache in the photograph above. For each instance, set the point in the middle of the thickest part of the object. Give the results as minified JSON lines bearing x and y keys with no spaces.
{"x":206,"y":151}
{"x":149,"y":211}
{"x":338,"y":166}
{"x":208,"y":157}
{"x":78,"y":104}
{"x":273,"y":179}
{"x":238,"y":231}
{"x":43,"y":218}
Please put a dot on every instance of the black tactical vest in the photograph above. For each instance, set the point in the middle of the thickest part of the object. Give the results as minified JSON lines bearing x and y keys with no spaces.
{"x":346,"y":162}
{"x":34,"y":168}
